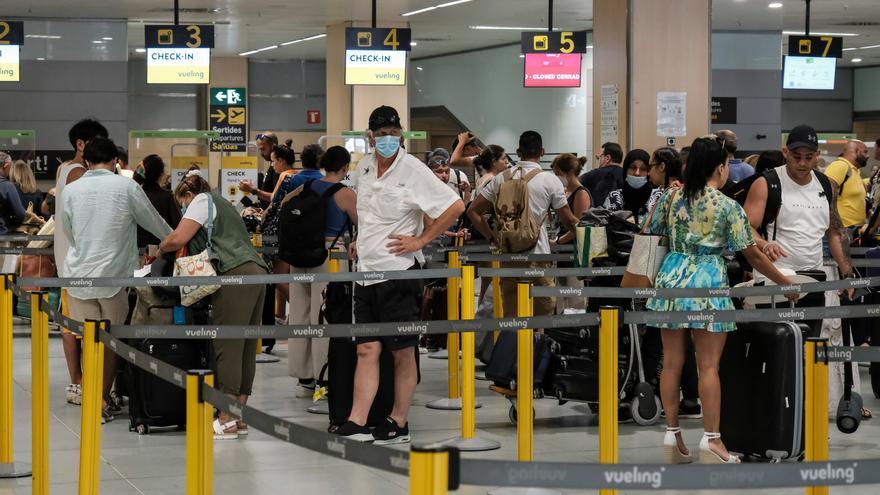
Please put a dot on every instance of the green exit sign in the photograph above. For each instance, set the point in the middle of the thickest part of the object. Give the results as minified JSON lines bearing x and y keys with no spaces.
{"x":228,"y":97}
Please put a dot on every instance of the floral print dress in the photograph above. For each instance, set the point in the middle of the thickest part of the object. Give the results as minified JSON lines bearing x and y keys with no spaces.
{"x":698,"y":232}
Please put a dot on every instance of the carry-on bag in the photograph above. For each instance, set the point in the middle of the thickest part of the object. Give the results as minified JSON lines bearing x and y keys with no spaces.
{"x":762,"y":390}
{"x":502,"y":368}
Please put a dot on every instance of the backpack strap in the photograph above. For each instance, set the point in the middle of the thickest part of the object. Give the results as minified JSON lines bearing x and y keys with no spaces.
{"x":332,"y":190}
{"x":329,"y":194}
{"x":845,"y":178}
{"x":531,"y":175}
{"x":825,"y":182}
{"x":774,"y":202}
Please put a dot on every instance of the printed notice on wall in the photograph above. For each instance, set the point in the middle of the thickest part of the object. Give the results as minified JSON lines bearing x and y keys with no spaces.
{"x":234,"y":169}
{"x":610,"y":113}
{"x":671,"y":114}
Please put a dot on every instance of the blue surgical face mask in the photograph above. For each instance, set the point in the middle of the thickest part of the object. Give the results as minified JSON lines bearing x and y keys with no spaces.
{"x":183,"y":210}
{"x":387,"y":146}
{"x":636,"y":182}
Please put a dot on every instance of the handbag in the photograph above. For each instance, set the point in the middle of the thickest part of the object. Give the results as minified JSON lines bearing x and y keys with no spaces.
{"x":198,"y":265}
{"x":648,"y":252}
{"x":32,"y":222}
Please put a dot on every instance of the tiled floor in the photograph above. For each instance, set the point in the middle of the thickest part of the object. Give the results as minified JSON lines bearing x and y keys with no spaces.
{"x":260,"y":465}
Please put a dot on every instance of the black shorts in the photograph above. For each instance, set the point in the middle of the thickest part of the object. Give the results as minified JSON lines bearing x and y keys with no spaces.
{"x":394,"y":300}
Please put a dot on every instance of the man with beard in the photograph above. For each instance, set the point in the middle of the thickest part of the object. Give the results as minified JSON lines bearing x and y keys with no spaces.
{"x":846,"y":178}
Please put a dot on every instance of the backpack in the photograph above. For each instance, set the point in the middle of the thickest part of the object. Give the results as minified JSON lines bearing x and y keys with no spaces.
{"x":302,"y":222}
{"x":774,"y":198}
{"x":516,"y":230}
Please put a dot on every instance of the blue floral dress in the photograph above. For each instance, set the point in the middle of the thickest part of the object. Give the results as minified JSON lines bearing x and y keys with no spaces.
{"x":698,"y":233}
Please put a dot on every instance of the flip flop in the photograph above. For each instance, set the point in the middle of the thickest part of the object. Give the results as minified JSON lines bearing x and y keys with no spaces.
{"x":866,"y":413}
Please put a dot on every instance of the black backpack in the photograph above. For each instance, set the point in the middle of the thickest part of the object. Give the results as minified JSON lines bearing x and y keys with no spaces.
{"x":774,"y":198}
{"x":302,"y":222}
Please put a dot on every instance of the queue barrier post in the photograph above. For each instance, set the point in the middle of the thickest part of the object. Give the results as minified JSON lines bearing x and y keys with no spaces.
{"x":468,"y":441}
{"x":39,"y":395}
{"x":8,"y":467}
{"x":199,"y":435}
{"x":90,"y":430}
{"x":609,"y":325}
{"x":497,"y":301}
{"x":433,"y":469}
{"x":323,"y":406}
{"x":452,"y":402}
{"x":525,"y":344}
{"x":816,"y":407}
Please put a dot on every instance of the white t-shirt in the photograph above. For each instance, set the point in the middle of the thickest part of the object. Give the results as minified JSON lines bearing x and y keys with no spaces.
{"x":394,"y":204}
{"x":61,"y":244}
{"x":456,"y":179}
{"x":197,"y":210}
{"x":801,"y":224}
{"x":545,"y":192}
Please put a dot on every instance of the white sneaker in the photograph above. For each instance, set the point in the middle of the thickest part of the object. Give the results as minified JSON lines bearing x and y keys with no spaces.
{"x":74,"y":394}
{"x":304,"y":392}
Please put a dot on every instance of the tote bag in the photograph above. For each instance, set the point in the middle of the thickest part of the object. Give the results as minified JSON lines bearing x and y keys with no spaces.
{"x":647,"y":254}
{"x":199,"y":265}
{"x":590,"y":242}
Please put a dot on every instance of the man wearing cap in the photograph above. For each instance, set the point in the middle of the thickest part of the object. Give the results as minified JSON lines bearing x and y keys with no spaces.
{"x":395,"y":192}
{"x":438,"y":162}
{"x":739,"y":169}
{"x":802,"y":197}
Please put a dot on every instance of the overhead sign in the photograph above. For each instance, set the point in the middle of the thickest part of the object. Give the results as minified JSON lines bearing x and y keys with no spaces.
{"x":10,"y":68}
{"x":723,"y":110}
{"x":179,"y":54}
{"x":180,"y":165}
{"x":552,"y":70}
{"x":554,"y":42}
{"x":376,"y":56}
{"x":172,"y":36}
{"x":11,"y":33}
{"x":45,"y":163}
{"x":234,"y":169}
{"x":815,"y":46}
{"x":228,"y":116}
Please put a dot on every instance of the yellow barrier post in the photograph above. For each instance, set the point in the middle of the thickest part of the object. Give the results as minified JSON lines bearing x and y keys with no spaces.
{"x":525,"y":345}
{"x":8,"y":467}
{"x":429,"y":470}
{"x":453,"y":400}
{"x":468,"y":441}
{"x":816,"y":408}
{"x":92,"y":404}
{"x":39,"y":395}
{"x":199,"y":435}
{"x":609,"y":320}
{"x":497,"y":301}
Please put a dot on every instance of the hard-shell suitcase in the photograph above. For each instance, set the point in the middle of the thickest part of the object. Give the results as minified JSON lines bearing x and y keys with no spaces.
{"x":502,"y":367}
{"x":762,"y":390}
{"x":574,"y":378}
{"x":153,"y":402}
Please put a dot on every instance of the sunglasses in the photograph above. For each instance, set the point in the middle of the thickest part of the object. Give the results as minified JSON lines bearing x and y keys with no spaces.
{"x":440,"y":161}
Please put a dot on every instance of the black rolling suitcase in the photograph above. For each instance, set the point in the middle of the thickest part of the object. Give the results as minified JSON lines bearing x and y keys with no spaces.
{"x":502,"y":367}
{"x":153,"y":402}
{"x":762,"y":390}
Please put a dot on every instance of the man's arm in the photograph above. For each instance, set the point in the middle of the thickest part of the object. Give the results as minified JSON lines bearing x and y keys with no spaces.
{"x":17,"y":212}
{"x":478,"y":207}
{"x":838,"y":243}
{"x":407,"y":244}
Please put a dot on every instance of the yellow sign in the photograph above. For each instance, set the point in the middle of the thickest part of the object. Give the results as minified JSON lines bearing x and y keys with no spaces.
{"x":236,"y":116}
{"x":235,"y":169}
{"x":805,"y":46}
{"x":178,"y":65}
{"x":365,"y":39}
{"x":181,"y":164}
{"x":9,"y":64}
{"x":542,"y":42}
{"x":166,"y":36}
{"x":218,"y":116}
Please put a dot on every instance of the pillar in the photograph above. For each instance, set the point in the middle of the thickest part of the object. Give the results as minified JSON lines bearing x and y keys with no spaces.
{"x":226,"y":72}
{"x":633,"y":50}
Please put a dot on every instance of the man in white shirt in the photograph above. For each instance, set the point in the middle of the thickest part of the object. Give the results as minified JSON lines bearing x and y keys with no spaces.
{"x":395,"y":191}
{"x":101,"y":213}
{"x":81,"y":133}
{"x":545,"y":192}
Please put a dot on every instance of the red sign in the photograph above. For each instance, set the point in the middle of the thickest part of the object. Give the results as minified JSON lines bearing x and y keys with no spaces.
{"x":313,"y":116}
{"x":552,"y":70}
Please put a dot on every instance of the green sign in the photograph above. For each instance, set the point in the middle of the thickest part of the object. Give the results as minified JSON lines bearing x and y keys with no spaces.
{"x":228,"y":97}
{"x":353,"y":133}
{"x":16,"y":134}
{"x":417,"y":135}
{"x":175,"y":134}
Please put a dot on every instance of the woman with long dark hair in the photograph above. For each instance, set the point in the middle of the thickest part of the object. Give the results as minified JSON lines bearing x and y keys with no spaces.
{"x":700,"y":223}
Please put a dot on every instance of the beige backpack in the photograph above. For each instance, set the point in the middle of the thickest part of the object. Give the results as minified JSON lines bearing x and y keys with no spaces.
{"x":515,"y":228}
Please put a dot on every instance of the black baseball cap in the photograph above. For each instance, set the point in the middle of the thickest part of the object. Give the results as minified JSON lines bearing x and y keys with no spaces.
{"x":802,"y":136}
{"x":384,"y":116}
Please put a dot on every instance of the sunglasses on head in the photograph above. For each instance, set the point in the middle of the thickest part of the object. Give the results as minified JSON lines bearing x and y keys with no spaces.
{"x":440,"y":161}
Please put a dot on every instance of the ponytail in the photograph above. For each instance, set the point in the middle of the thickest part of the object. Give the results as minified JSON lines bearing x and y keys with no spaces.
{"x":706,"y":155}
{"x":487,"y":157}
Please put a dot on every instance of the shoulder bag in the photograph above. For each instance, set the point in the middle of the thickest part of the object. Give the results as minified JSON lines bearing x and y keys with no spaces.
{"x":648,"y":252}
{"x":198,"y":265}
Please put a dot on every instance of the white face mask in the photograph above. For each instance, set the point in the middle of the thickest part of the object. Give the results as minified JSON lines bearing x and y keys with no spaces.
{"x":563,"y":179}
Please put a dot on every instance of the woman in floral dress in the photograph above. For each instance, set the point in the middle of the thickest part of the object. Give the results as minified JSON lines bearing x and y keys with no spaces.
{"x":700,"y":223}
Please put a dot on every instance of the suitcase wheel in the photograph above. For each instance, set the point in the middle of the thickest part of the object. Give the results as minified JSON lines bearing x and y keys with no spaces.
{"x":645,"y":415}
{"x":511,"y":414}
{"x":143,"y":429}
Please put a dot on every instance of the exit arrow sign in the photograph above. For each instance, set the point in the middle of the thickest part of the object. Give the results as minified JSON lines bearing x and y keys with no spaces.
{"x":228,"y":96}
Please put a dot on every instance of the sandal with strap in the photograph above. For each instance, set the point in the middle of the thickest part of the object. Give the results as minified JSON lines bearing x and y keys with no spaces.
{"x":242,"y":428}
{"x":225,"y":431}
{"x":670,"y":448}
{"x":709,"y":456}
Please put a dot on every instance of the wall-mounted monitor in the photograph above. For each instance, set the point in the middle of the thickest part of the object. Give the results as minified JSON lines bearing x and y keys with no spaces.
{"x":552,"y":70}
{"x":809,"y":73}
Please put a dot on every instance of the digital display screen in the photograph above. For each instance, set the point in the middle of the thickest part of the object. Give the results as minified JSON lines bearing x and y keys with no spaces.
{"x":809,"y":73}
{"x":375,"y":67}
{"x":552,"y":70}
{"x":178,"y":65}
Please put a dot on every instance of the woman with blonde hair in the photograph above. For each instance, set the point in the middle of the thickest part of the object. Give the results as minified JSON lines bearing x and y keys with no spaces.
{"x":22,"y":177}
